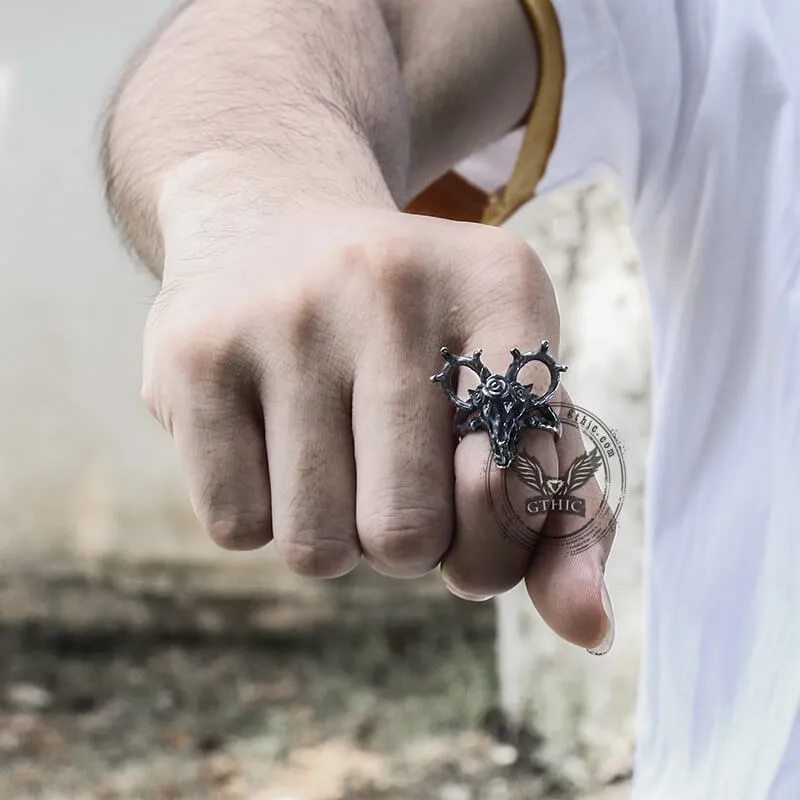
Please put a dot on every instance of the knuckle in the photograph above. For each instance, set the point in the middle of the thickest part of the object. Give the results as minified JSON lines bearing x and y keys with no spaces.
{"x":300,"y":318}
{"x":371,"y":252}
{"x":207,"y":352}
{"x":357,"y":254}
{"x":522,"y":273}
{"x":199,"y":334}
{"x":194,"y":352}
{"x":508,"y":247}
{"x":411,"y":539}
{"x":311,"y":555}
{"x":401,"y":286}
{"x":394,"y":268}
{"x":391,"y":276}
{"x":523,"y":270}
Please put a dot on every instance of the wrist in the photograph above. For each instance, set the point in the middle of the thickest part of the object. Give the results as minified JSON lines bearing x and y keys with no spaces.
{"x":213,"y":193}
{"x":247,"y":181}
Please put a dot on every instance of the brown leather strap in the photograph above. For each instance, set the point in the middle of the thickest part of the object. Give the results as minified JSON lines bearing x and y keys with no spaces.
{"x":454,"y":197}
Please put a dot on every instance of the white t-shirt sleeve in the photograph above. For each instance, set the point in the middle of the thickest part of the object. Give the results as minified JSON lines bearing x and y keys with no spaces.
{"x":621,"y":103}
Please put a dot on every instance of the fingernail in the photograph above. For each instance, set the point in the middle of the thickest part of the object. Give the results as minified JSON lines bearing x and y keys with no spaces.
{"x":608,"y":639}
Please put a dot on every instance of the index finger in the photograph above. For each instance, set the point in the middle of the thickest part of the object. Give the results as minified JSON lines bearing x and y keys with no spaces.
{"x":519,"y":313}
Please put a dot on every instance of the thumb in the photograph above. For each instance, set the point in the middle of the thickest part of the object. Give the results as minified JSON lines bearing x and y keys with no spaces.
{"x":566,"y":576}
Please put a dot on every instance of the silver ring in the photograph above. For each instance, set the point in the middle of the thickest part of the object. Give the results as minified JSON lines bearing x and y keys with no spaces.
{"x":500,"y":405}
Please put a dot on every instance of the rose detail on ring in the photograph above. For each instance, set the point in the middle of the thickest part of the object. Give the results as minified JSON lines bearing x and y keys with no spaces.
{"x":496,"y":386}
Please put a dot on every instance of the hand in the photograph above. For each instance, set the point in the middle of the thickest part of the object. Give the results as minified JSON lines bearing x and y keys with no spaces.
{"x":289,"y":357}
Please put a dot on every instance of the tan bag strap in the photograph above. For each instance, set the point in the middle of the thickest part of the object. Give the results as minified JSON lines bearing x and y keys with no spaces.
{"x":454,"y":197}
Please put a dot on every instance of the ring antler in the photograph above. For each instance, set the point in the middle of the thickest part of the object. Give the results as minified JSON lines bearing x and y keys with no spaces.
{"x":445,"y":377}
{"x":543,"y":357}
{"x":501,"y":405}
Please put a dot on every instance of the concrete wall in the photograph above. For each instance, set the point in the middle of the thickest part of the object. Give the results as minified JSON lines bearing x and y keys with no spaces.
{"x":83,"y":469}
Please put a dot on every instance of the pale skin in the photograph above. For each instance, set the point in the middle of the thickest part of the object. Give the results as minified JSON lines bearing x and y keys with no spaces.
{"x":257,"y":154}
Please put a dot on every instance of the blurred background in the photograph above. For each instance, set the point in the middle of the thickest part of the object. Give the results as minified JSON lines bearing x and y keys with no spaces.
{"x":137,"y":660}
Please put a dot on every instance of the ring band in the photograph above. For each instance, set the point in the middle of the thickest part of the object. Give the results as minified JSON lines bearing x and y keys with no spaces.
{"x":500,"y":405}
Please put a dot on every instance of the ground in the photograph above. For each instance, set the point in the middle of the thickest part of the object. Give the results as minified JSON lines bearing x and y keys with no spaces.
{"x":366,"y":710}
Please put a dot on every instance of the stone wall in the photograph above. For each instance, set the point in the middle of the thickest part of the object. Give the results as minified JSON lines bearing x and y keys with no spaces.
{"x":581,"y":705}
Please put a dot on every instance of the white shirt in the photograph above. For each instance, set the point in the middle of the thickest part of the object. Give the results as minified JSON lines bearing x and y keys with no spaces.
{"x":693,"y":106}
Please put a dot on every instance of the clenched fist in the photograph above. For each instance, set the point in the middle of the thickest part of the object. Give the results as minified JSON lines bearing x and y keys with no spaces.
{"x":289,"y":355}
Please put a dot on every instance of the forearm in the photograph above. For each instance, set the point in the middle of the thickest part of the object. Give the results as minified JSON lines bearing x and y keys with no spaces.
{"x":388,"y":93}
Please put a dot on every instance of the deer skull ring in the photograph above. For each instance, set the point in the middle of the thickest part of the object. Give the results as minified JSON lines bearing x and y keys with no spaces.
{"x":500,"y":405}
